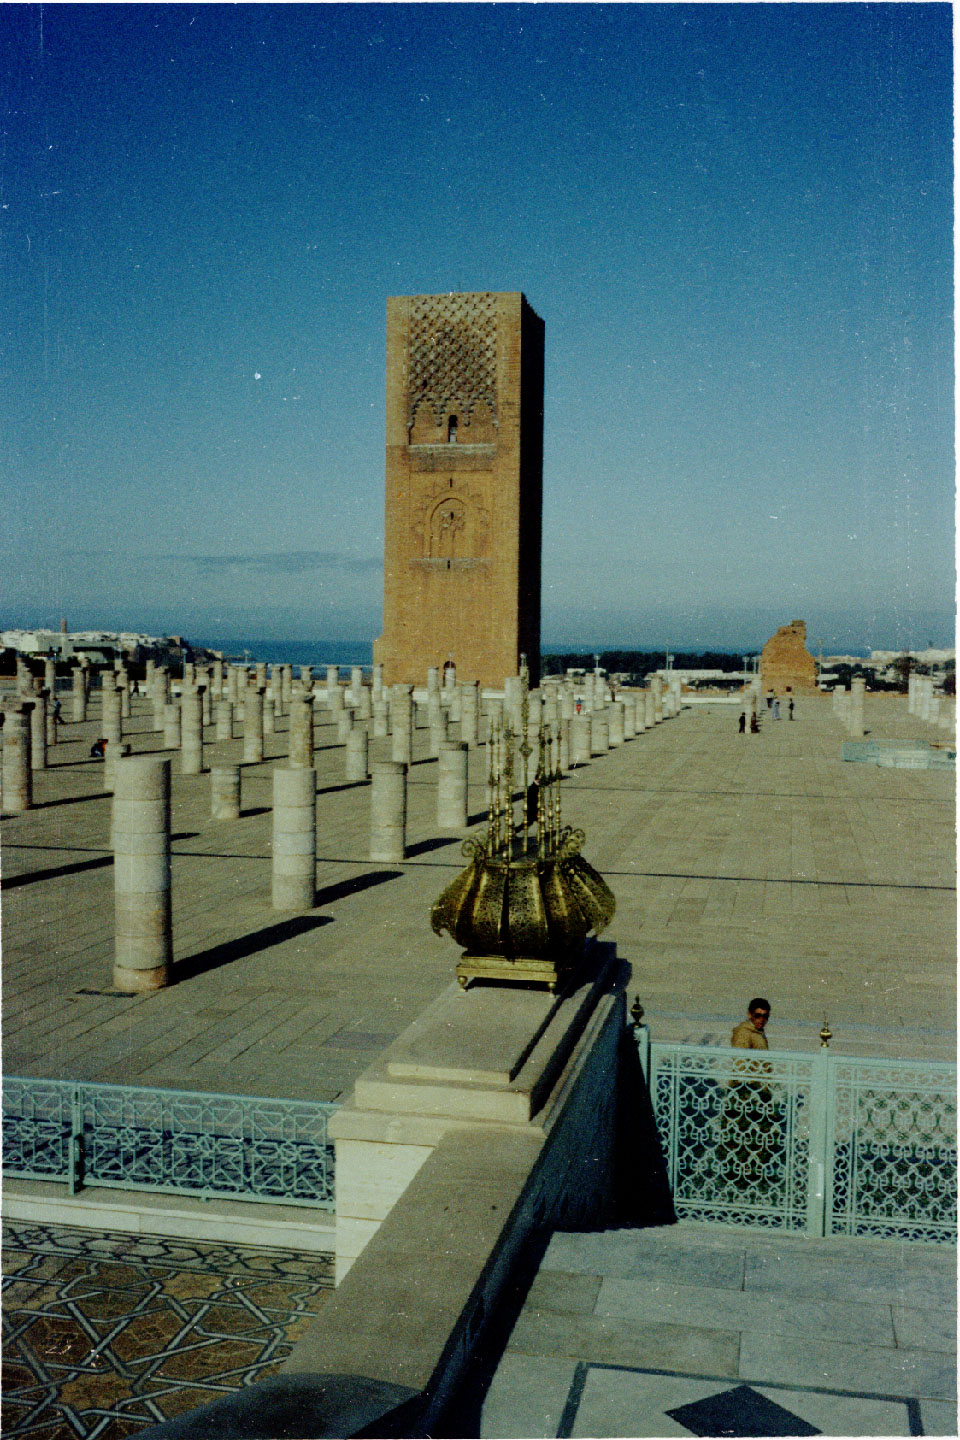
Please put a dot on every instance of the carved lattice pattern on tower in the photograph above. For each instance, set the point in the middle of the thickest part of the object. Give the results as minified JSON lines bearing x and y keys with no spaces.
{"x":453,"y":355}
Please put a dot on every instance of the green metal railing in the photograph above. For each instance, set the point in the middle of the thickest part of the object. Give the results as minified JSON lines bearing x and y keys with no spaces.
{"x":181,"y":1142}
{"x":824,"y":1144}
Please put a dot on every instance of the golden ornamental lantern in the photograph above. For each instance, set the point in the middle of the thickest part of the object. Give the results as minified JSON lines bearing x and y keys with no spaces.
{"x":527,"y":901}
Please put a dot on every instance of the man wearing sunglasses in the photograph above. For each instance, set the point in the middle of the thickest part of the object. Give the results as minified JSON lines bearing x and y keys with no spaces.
{"x":748,"y":1035}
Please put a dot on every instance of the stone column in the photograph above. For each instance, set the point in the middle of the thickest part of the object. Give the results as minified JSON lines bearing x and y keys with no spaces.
{"x":123,"y":686}
{"x":629,"y":704}
{"x":380,"y":729}
{"x":617,"y":721}
{"x":216,"y":680}
{"x":260,"y":673}
{"x":38,"y":733}
{"x":600,"y":737}
{"x":160,"y":697}
{"x":933,"y":714}
{"x":433,"y":681}
{"x":294,"y":839}
{"x":286,"y":686}
{"x":649,"y":710}
{"x":225,"y":792}
{"x":224,"y":720}
{"x":356,"y":754}
{"x":470,"y":714}
{"x":335,"y":700}
{"x":301,"y":732}
{"x":388,"y":811}
{"x":206,"y":704}
{"x":452,"y":785}
{"x":171,"y":726}
{"x":191,"y":733}
{"x":640,"y":713}
{"x":401,"y":715}
{"x":252,"y":727}
{"x":344,"y":725}
{"x":438,"y":733}
{"x":564,"y":746}
{"x":115,"y":753}
{"x":512,"y":698}
{"x":51,"y":722}
{"x":581,"y":739}
{"x":356,"y":684}
{"x":233,"y":685}
{"x":50,"y":674}
{"x":17,"y":762}
{"x":855,"y":717}
{"x":79,"y":693}
{"x":377,"y":681}
{"x":333,"y":679}
{"x":364,"y":707}
{"x":141,"y":842}
{"x":111,"y":722}
{"x":306,"y":677}
{"x":271,"y":707}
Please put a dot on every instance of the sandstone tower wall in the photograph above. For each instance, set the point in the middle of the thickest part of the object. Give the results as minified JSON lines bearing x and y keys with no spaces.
{"x":786,"y":663}
{"x":464,"y":483}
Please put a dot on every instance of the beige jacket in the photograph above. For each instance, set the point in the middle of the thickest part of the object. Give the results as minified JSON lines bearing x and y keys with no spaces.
{"x":746,"y":1036}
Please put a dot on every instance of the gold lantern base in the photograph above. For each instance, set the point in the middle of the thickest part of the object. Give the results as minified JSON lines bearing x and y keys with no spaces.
{"x":538,"y":970}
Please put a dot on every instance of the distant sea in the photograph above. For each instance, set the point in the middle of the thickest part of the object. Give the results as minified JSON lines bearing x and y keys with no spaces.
{"x":293,"y":652}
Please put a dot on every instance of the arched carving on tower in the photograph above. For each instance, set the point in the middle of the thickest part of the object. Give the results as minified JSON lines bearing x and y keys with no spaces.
{"x":449,"y":530}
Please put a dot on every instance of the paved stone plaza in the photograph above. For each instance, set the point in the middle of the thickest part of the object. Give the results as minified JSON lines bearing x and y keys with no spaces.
{"x":690,"y":1331}
{"x":741,"y":865}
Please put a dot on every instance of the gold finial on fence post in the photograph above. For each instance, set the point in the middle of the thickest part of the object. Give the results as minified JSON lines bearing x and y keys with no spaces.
{"x":636,"y":1012}
{"x":826,"y":1035}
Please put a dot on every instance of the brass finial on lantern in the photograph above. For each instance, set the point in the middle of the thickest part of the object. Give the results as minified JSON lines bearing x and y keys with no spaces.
{"x":527,"y":901}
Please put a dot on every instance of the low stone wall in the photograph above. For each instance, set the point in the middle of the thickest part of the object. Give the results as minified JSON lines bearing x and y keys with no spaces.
{"x":418,"y":1299}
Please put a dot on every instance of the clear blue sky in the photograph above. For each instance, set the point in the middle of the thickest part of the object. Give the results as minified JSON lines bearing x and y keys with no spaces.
{"x":735,"y":220}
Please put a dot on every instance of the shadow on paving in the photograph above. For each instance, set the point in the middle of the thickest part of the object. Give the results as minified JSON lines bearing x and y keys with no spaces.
{"x":423,"y":846}
{"x":55,"y":872}
{"x":72,"y":800}
{"x":343,"y":888}
{"x":231,"y":950}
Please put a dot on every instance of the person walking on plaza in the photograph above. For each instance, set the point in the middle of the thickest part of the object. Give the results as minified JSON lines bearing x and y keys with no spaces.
{"x":790,"y":709}
{"x":743,"y":721}
{"x":748,"y":1035}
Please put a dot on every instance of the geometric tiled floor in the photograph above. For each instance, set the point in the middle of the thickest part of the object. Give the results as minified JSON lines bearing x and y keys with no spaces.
{"x":105,"y":1334}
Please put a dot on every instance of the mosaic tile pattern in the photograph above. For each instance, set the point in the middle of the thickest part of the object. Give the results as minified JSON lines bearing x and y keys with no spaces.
{"x":105,"y":1333}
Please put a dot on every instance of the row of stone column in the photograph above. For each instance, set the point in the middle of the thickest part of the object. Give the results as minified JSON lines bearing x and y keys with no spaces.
{"x":140,"y":832}
{"x":935,"y":709}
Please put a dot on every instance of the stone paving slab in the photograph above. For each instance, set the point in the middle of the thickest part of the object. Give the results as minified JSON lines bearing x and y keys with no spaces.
{"x":819,"y":1360}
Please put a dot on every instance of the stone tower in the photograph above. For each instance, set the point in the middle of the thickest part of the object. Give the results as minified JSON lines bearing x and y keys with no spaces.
{"x":786,"y":663}
{"x":464,"y":474}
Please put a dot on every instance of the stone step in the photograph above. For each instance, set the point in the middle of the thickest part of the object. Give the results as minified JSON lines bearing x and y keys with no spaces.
{"x":888,"y":1271}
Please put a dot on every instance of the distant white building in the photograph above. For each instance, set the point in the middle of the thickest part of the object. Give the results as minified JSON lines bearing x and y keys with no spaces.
{"x":99,"y":645}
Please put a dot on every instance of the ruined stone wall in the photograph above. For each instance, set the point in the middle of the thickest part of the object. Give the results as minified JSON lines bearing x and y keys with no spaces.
{"x":786,"y":663}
